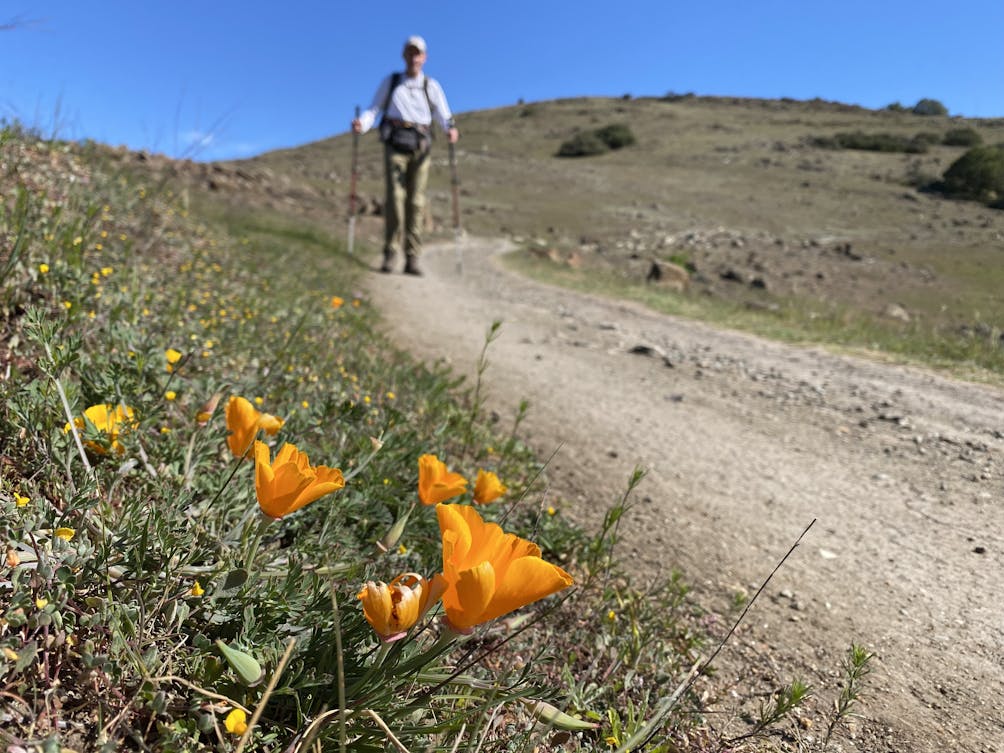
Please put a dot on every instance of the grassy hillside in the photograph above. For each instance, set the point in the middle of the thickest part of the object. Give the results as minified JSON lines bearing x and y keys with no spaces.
{"x":780,"y":233}
{"x":161,"y":591}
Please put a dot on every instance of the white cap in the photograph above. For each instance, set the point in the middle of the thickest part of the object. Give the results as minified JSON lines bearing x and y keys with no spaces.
{"x":415,"y":41}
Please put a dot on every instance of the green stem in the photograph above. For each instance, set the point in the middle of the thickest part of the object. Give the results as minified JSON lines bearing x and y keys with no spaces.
{"x":251,"y":540}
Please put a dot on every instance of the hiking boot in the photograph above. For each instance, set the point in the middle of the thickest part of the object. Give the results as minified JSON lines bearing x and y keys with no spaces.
{"x":387,"y":259}
{"x":411,"y":266}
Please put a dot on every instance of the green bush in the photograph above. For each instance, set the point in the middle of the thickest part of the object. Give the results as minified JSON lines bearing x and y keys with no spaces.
{"x":616,"y":135}
{"x":962,"y":137}
{"x":613,"y":136}
{"x":979,"y":175}
{"x":929,"y":107}
{"x":927,"y":138}
{"x":583,"y":144}
{"x":875,"y":142}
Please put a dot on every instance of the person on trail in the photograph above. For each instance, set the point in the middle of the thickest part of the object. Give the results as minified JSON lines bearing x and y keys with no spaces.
{"x":409,"y":102}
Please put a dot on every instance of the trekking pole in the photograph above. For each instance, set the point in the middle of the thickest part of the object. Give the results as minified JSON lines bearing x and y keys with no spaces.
{"x":352,"y":189}
{"x":455,"y":181}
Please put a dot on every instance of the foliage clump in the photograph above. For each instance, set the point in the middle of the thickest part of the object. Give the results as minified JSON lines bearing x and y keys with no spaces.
{"x":962,"y":137}
{"x":977,"y":175}
{"x":877,"y":142}
{"x":616,"y":135}
{"x":929,"y":107}
{"x":583,"y":144}
{"x":597,"y":141}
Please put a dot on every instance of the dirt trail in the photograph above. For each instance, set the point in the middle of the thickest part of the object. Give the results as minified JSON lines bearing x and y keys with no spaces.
{"x":746,"y":441}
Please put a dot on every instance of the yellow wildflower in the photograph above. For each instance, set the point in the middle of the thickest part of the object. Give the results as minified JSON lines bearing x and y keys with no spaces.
{"x":107,"y":420}
{"x":173,"y":356}
{"x":236,"y":722}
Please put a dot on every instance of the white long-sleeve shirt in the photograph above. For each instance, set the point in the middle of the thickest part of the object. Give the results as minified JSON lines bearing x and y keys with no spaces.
{"x":408,"y":103}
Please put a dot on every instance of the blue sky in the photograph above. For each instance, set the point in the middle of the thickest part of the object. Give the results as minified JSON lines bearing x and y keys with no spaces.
{"x":227,"y":79}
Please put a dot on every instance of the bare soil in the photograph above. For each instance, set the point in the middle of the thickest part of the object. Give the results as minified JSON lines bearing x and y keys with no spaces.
{"x":747,"y":441}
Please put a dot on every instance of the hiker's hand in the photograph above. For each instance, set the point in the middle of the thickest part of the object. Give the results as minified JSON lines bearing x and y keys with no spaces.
{"x":452,"y":135}
{"x":357,"y":127}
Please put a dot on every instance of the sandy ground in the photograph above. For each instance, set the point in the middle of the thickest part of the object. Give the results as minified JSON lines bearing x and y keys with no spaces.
{"x":746,"y":442}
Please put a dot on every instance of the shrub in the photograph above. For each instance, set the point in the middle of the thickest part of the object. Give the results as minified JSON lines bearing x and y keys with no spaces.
{"x":895,"y":107}
{"x":929,"y":107}
{"x":875,"y":142}
{"x":962,"y":137}
{"x":616,"y":135}
{"x":613,"y":136}
{"x":583,"y":144}
{"x":979,"y":175}
{"x":927,"y":138}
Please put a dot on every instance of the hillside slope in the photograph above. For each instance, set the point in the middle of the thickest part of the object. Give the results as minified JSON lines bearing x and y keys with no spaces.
{"x":734,"y":188}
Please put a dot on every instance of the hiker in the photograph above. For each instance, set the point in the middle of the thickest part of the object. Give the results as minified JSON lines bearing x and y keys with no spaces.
{"x":409,"y":101}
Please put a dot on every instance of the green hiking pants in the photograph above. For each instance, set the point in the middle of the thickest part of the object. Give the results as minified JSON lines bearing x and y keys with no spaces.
{"x":404,"y":208}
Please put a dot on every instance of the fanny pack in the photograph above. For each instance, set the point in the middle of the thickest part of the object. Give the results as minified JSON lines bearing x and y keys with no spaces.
{"x":404,"y":139}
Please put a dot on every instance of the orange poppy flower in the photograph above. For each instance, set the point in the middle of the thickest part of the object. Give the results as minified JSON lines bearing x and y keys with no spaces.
{"x":290,"y":482}
{"x":488,"y":488}
{"x":391,"y":610}
{"x":435,"y":483}
{"x":488,"y":573}
{"x":244,"y":421}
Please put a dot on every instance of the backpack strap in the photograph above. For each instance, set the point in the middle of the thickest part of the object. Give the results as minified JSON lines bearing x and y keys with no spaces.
{"x":432,"y":110}
{"x":395,"y":81}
